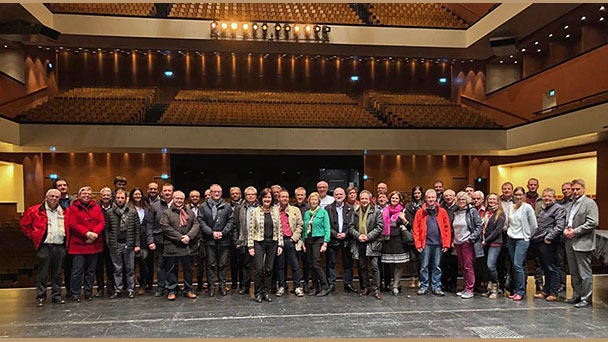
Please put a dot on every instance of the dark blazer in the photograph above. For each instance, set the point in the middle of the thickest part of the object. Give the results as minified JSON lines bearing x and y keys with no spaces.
{"x":348,"y":223}
{"x":113,"y":225}
{"x":224,"y":222}
{"x":173,"y":232}
{"x":494,"y":229}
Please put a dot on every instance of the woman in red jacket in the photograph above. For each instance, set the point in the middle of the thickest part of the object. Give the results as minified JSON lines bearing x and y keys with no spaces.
{"x":432,"y":238}
{"x":86,"y":223}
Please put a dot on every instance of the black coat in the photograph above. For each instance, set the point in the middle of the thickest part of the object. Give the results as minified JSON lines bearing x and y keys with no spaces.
{"x":348,"y":214}
{"x":112,"y":226}
{"x":173,"y":232}
{"x":224,"y":222}
{"x":494,"y":229}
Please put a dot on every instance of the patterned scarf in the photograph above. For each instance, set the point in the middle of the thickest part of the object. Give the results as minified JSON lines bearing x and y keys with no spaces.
{"x":486,"y":217}
{"x":124,"y":214}
{"x":313,"y":212}
{"x":363,"y":220}
{"x":389,"y":214}
{"x":183,"y":216}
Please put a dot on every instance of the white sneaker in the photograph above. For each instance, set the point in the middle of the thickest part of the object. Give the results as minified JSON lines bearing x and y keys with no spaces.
{"x":467,"y":295}
{"x":280,"y":292}
{"x":459,"y":293}
{"x":299,"y":292}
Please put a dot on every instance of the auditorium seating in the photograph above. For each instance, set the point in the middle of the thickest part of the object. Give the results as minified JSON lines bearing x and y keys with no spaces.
{"x":334,"y":13}
{"x":126,"y":9}
{"x":267,"y":109}
{"x":414,"y":14}
{"x":18,"y":255}
{"x":93,"y":105}
{"x":413,"y":110}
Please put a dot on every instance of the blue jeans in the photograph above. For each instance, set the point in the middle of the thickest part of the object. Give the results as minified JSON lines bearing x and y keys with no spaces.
{"x":430,"y":260}
{"x":518,"y":250}
{"x":493,"y":253}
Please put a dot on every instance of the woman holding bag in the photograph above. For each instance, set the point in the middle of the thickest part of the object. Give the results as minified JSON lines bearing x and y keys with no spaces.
{"x":467,"y":233}
{"x":394,"y":252}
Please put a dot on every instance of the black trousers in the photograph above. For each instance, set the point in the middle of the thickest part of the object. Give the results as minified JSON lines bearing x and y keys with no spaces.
{"x":263,"y":260}
{"x":104,"y":269}
{"x":246,"y":262}
{"x":50,"y":262}
{"x":67,"y":274}
{"x":366,"y":264}
{"x":305,"y":269}
{"x":449,"y":271}
{"x":217,"y":256}
{"x":347,"y":263}
{"x":146,"y":271}
{"x":313,"y":250}
{"x":161,"y":267}
{"x":547,"y":255}
{"x":83,"y":265}
{"x":562,"y":262}
{"x":200,"y":268}
{"x":235,"y":274}
{"x":480,"y":266}
{"x":172,"y":272}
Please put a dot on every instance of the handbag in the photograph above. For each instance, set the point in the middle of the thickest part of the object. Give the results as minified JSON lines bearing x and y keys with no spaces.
{"x":406,"y":236}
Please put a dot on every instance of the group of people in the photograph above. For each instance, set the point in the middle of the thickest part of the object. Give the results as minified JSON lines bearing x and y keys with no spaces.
{"x":265,"y":234}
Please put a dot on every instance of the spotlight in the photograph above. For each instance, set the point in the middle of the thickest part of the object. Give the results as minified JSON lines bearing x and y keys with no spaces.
{"x":317,"y":28}
{"x":213,"y":27}
{"x":523,"y":50}
{"x":550,"y":35}
{"x":536,"y":43}
{"x":568,"y":35}
{"x":308,"y":28}
{"x":287,"y":28}
{"x":566,"y":27}
{"x":245,"y":27}
{"x":277,"y":27}
{"x":326,"y":29}
{"x":296,"y":28}
{"x":234,"y":26}
{"x":224,"y":26}
{"x":602,"y":19}
{"x":264,"y":30}
{"x":264,"y":27}
{"x":583,"y":18}
{"x":602,"y":8}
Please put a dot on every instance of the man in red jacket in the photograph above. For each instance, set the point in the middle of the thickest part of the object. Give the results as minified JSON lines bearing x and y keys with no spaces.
{"x":86,"y":223}
{"x":432,"y":238}
{"x":46,"y":225}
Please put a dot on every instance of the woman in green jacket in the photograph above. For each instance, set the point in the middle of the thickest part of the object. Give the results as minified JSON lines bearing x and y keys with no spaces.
{"x":316,"y":235}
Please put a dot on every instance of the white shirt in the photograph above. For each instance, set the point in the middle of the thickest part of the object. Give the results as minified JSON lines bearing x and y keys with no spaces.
{"x":141,"y":213}
{"x":325,"y":201}
{"x":54,"y":235}
{"x":522,"y":222}
{"x":339,"y":210}
{"x":575,"y":207}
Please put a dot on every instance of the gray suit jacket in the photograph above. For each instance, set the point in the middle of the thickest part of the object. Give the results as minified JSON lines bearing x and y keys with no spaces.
{"x":585,"y":220}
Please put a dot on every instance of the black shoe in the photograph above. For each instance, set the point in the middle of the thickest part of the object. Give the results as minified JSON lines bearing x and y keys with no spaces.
{"x":306,"y":290}
{"x":438,"y":292}
{"x":244,"y":290}
{"x":562,"y":288}
{"x":89,"y":298}
{"x":75,"y":299}
{"x":572,"y":301}
{"x":266,"y":297}
{"x":385,"y":289}
{"x":223,"y":291}
{"x":582,"y":304}
{"x":323,"y":292}
{"x":313,"y":292}
{"x":58,"y":300}
{"x":349,"y":288}
{"x":131,"y":294}
{"x":211,"y":292}
{"x":114,"y":295}
{"x":332,"y":288}
{"x":258,"y":299}
{"x":99,"y":293}
{"x":40,"y":302}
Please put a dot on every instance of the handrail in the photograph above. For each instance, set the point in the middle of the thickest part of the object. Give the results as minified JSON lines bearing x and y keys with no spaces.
{"x":24,"y":96}
{"x":493,"y":108}
{"x":581,"y":99}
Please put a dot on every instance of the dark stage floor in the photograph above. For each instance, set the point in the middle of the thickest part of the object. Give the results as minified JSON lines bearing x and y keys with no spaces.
{"x":337,"y":315}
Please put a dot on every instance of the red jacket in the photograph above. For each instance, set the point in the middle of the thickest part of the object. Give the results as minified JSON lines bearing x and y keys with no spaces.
{"x":84,"y":219}
{"x":443,"y":221}
{"x":35,"y":223}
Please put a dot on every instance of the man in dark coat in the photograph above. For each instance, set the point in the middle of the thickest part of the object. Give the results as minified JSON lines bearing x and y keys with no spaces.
{"x":341,"y":222}
{"x":157,"y":232}
{"x":215,"y":218}
{"x":180,"y":227}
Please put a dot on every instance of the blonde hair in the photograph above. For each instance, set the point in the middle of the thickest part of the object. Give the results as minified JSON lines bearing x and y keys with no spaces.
{"x":84,"y":188}
{"x":463,"y":194}
{"x":314,"y":194}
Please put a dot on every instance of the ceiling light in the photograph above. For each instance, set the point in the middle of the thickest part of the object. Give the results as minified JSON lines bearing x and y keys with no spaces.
{"x":515,"y":62}
{"x":523,"y":50}
{"x":550,"y":35}
{"x":538,"y":50}
{"x":510,"y":56}
{"x":583,"y":18}
{"x":536,"y":43}
{"x":568,"y":35}
{"x":566,"y":27}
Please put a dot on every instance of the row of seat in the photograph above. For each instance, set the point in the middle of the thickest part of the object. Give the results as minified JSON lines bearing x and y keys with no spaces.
{"x":109,"y":93}
{"x":263,"y":96}
{"x":414,"y":14}
{"x":338,"y":13}
{"x":87,"y":111}
{"x":268,"y":114}
{"x":130,"y":9}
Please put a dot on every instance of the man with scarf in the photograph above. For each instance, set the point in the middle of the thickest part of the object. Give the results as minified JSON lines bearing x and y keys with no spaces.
{"x":432,"y":237}
{"x":46,"y":225}
{"x":341,"y":221}
{"x":123,"y":238}
{"x":367,"y":246}
{"x":242,"y":218}
{"x":180,"y":227}
{"x":215,"y":218}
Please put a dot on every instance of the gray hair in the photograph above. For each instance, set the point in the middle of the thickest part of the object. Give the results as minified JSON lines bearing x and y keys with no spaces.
{"x":448,"y":191}
{"x":179,"y":192}
{"x":251,"y":188}
{"x":551,"y":190}
{"x":579,"y":182}
{"x":84,"y":188}
{"x":105,"y":189}
{"x":463,"y":194}
{"x":50,"y":191}
{"x":479,"y":192}
{"x":430,"y":191}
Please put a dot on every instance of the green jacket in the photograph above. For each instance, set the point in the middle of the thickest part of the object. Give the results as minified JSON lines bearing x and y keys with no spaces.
{"x":320,"y":225}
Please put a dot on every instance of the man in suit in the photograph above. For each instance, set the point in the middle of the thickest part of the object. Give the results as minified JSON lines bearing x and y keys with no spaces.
{"x":582,"y":219}
{"x":341,"y":222}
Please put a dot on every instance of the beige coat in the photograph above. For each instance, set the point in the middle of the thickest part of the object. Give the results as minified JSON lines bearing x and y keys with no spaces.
{"x":294,"y":216}
{"x":256,"y":226}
